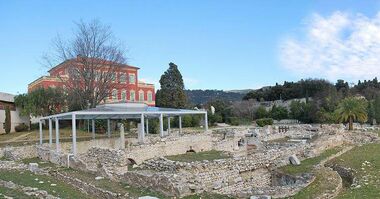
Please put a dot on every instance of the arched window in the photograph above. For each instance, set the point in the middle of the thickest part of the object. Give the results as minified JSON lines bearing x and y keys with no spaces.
{"x":141,"y":96}
{"x":132,"y":78}
{"x":123,"y":78}
{"x":132,"y":96}
{"x":114,"y":94}
{"x":124,"y":95}
{"x":150,"y":96}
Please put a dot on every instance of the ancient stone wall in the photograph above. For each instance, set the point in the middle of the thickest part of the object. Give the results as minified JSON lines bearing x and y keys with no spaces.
{"x":167,"y":183}
{"x":84,"y":146}
{"x":20,"y":152}
{"x":171,"y":146}
{"x":104,"y":161}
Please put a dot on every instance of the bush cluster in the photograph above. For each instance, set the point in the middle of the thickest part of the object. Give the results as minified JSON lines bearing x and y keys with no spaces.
{"x":264,"y":121}
{"x":21,"y":127}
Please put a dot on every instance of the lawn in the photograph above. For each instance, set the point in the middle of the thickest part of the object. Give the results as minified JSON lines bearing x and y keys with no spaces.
{"x":205,"y":155}
{"x":368,"y":174}
{"x":308,"y":164}
{"x":323,"y":183}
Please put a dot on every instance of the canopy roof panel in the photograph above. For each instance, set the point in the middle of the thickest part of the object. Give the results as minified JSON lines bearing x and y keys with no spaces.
{"x":123,"y":111}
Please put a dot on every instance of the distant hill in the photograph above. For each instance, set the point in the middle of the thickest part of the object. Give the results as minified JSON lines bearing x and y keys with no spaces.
{"x":242,"y":91}
{"x":204,"y":96}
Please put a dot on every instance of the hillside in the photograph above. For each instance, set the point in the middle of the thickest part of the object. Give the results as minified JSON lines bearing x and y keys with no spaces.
{"x":204,"y":96}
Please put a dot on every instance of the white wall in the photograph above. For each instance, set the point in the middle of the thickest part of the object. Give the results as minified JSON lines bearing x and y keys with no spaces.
{"x":15,"y":120}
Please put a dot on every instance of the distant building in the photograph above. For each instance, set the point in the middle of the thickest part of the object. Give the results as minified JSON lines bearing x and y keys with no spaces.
{"x":8,"y":100}
{"x":127,"y":87}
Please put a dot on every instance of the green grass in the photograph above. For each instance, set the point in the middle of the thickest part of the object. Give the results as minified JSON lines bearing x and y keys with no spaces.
{"x":321,"y":184}
{"x":370,"y":174}
{"x":12,"y":193}
{"x":308,"y":164}
{"x":113,"y":186}
{"x":207,"y":196}
{"x":41,"y":163}
{"x":27,"y":178}
{"x":192,"y":157}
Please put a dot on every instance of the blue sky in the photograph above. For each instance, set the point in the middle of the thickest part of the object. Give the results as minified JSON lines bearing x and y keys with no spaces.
{"x":216,"y":44}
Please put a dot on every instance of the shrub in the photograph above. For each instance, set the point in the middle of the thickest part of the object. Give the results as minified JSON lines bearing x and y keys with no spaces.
{"x":154,"y":126}
{"x":235,"y":121}
{"x":264,"y":121}
{"x":21,"y":127}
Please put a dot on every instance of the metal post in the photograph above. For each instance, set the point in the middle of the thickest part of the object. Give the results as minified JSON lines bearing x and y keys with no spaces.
{"x":109,"y":128}
{"x":88,"y":126}
{"x":161,"y":126}
{"x":147,"y":126}
{"x":93,"y":129}
{"x":122,"y":137}
{"x":57,"y":134}
{"x":168,"y":125}
{"x":74,"y":132}
{"x":206,"y":122}
{"x":180,"y":124}
{"x":40,"y":123}
{"x":141,"y":132}
{"x":50,"y":133}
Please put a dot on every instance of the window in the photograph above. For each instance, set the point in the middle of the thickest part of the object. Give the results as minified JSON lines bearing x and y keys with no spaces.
{"x":97,"y":75}
{"x":124,"y":95}
{"x":113,"y":77}
{"x":132,"y":78}
{"x":132,"y":96}
{"x":150,"y":96}
{"x":123,"y":78}
{"x":141,"y":96}
{"x":114,"y":94}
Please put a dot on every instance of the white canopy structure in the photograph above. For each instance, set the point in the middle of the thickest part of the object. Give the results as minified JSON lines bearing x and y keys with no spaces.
{"x":117,"y":111}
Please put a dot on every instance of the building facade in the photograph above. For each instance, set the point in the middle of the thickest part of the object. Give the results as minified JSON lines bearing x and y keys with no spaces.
{"x":126,"y":84}
{"x":8,"y":100}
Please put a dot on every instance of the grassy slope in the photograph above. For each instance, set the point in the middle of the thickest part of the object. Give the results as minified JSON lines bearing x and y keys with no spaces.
{"x":27,"y":178}
{"x":307,"y":164}
{"x":322,"y":184}
{"x":191,"y":157}
{"x":370,"y":174}
{"x":12,"y":193}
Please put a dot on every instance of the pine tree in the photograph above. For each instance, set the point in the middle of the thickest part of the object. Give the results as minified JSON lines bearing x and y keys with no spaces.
{"x":171,"y":94}
{"x":7,"y":122}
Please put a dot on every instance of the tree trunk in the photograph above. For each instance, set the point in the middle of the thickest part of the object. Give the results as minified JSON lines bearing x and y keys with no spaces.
{"x":350,"y":125}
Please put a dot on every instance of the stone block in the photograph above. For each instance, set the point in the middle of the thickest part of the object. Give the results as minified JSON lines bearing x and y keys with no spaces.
{"x":33,"y":167}
{"x":294,"y":160}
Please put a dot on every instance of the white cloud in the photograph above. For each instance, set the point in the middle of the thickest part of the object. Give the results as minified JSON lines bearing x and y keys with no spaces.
{"x":337,"y":46}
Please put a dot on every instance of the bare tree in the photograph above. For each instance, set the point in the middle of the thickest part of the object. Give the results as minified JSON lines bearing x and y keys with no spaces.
{"x":244,"y":108}
{"x":90,"y":61}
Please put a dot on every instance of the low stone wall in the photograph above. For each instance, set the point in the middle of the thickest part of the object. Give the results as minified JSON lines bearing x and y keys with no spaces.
{"x":20,"y":152}
{"x":229,"y":145}
{"x":107,"y":162}
{"x":171,"y":146}
{"x":84,"y":146}
{"x":85,"y":187}
{"x":167,"y":183}
{"x":29,"y":191}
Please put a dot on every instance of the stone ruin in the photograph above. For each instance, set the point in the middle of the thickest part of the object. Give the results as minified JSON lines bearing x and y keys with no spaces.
{"x":255,"y":154}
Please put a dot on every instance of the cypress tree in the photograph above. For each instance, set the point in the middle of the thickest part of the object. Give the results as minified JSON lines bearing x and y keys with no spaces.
{"x":171,"y":94}
{"x":7,"y":126}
